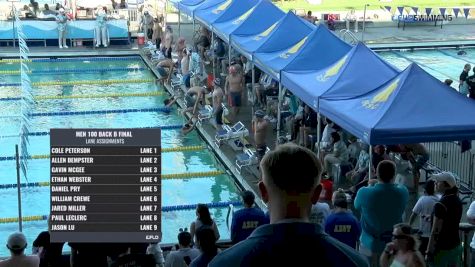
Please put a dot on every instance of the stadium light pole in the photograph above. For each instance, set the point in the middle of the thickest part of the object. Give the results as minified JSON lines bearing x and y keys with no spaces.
{"x":364,"y":22}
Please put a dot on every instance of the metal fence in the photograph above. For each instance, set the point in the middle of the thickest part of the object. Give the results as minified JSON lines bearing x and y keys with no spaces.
{"x":448,"y":156}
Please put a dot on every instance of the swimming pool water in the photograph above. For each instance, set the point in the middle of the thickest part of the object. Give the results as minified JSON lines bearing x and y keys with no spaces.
{"x":442,"y":64}
{"x":35,"y":201}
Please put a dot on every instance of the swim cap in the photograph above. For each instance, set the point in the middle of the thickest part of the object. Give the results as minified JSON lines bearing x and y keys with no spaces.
{"x":16,"y":241}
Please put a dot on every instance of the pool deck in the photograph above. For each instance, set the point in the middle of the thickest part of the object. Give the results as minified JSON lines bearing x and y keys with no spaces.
{"x":248,"y":178}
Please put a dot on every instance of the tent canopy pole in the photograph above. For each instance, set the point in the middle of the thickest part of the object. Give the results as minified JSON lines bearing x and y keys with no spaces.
{"x":370,"y":162}
{"x":279,"y":103}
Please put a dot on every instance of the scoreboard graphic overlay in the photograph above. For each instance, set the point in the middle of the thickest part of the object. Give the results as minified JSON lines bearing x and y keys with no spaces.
{"x":105,"y":185}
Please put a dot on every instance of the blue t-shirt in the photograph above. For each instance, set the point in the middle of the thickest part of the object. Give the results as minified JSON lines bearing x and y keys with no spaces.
{"x":344,"y":227}
{"x":381,"y":207}
{"x":289,"y":244}
{"x":245,"y":221}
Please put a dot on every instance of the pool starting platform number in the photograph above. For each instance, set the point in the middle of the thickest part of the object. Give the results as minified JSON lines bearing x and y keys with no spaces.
{"x":105,"y":185}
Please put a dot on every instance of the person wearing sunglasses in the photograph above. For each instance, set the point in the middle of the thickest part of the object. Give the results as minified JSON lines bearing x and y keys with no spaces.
{"x":402,"y":251}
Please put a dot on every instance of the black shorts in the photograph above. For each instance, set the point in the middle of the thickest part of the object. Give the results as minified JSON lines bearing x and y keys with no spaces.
{"x":219,"y":116}
{"x":163,"y":73}
{"x":235,"y":99}
{"x":261,"y":151}
{"x":189,"y":101}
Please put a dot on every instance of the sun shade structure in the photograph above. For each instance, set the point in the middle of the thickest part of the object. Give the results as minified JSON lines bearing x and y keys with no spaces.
{"x":211,"y":10}
{"x":247,"y":44}
{"x":188,"y":7}
{"x":410,"y":108}
{"x":337,"y":78}
{"x":315,"y":43}
{"x":256,"y":12}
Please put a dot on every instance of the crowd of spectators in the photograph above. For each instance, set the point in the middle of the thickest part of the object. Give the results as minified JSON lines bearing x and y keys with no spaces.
{"x":287,"y":235}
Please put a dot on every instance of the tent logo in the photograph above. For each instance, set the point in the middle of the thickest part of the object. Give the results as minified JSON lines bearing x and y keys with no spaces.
{"x":294,"y":49}
{"x":243,"y":16}
{"x":332,"y":71}
{"x":222,"y":7}
{"x":382,"y":97}
{"x":265,"y":33}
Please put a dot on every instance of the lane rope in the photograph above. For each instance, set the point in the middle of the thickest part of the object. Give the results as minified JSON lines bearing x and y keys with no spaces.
{"x":90,"y":112}
{"x":73,"y":59}
{"x":50,"y":83}
{"x":49,"y":97}
{"x":17,"y":72}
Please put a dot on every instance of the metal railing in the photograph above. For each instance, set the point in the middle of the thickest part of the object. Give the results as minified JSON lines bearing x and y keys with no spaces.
{"x":348,"y":36}
{"x":448,"y":156}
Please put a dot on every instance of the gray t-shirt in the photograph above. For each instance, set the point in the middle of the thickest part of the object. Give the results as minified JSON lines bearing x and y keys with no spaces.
{"x":424,"y":208}
{"x":319,"y":213}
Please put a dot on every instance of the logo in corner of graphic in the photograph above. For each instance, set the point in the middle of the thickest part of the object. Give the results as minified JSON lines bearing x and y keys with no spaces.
{"x":381,"y":97}
{"x":332,"y":71}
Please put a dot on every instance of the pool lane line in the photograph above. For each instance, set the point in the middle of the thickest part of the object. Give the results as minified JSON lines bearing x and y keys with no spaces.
{"x":164,"y":127}
{"x":90,"y":112}
{"x":73,"y":59}
{"x":64,"y":71}
{"x":50,"y":97}
{"x":164,"y":150}
{"x":171,"y":176}
{"x":424,"y":65}
{"x":79,"y":82}
{"x":164,"y":209}
{"x":455,"y":56}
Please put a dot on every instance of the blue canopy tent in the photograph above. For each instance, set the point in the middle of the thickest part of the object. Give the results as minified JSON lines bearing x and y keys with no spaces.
{"x":211,"y":10}
{"x":336,"y":78}
{"x":280,"y":47}
{"x":276,"y":60}
{"x":412,"y":107}
{"x":344,"y":78}
{"x":227,"y":24}
{"x":249,"y":37}
{"x":188,"y":7}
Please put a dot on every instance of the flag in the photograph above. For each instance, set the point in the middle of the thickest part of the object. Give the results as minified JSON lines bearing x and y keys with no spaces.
{"x":428,"y":11}
{"x":466,"y":12}
{"x":400,"y":9}
{"x":456,"y":12}
{"x":442,"y":11}
{"x":388,"y":8}
{"x":415,"y":9}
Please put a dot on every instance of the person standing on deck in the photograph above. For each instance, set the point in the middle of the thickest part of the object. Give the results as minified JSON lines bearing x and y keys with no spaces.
{"x":234,"y":88}
{"x":101,"y":27}
{"x":260,"y":125}
{"x":218,"y":96}
{"x":463,"y":85}
{"x":62,"y":21}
